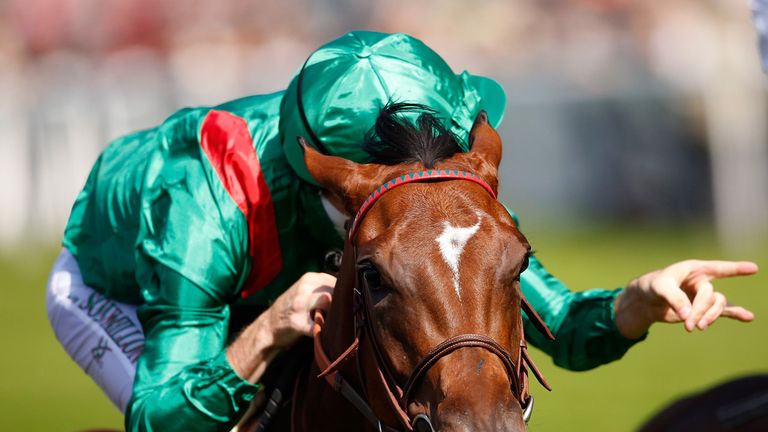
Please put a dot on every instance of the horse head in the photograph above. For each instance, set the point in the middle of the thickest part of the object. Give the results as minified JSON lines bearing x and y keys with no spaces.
{"x":429,"y":289}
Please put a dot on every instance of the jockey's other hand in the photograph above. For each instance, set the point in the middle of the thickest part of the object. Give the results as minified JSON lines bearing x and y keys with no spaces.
{"x":681,"y":292}
{"x":290,"y":316}
{"x":280,"y":326}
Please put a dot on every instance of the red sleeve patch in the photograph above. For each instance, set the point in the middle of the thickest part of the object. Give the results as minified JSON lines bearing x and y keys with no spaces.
{"x":227,"y":143}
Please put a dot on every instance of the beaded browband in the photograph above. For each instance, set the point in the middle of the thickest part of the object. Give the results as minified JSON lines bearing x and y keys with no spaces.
{"x":419,"y":176}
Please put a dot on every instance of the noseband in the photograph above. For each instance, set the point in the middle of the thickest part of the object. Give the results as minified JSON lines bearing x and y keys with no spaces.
{"x":399,"y":397}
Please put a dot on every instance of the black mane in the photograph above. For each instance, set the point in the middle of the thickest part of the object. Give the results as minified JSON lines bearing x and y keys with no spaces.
{"x":394,"y":139}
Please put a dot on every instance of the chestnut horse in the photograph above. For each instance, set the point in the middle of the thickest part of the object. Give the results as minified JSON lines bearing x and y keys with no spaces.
{"x":425,"y":330}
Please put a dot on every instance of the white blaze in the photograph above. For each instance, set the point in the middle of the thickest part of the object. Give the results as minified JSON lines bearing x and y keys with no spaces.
{"x":452,"y":242}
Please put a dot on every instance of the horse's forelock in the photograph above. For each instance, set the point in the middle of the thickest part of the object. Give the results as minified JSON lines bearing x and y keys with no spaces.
{"x":396,"y":139}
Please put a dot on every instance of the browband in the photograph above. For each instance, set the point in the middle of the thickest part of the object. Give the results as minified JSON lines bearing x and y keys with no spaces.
{"x":419,"y":176}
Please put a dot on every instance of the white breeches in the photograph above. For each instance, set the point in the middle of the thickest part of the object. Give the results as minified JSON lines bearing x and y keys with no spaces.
{"x":103,"y":336}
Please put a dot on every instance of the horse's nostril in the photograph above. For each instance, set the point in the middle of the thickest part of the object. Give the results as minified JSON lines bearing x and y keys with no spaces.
{"x":421,"y":423}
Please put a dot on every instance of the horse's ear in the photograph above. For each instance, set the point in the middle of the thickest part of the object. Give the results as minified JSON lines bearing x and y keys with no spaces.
{"x":347,"y":182}
{"x":485,"y":150}
{"x":484,"y":141}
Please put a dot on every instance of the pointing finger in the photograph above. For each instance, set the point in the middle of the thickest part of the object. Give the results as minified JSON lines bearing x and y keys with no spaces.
{"x":710,"y":269}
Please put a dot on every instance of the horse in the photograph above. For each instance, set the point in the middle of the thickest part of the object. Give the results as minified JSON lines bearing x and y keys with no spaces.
{"x":425,"y":330}
{"x":738,"y":405}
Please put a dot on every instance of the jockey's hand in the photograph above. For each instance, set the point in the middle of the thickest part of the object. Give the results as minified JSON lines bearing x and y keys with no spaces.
{"x":280,"y":326}
{"x":290,"y":314}
{"x":682,"y":292}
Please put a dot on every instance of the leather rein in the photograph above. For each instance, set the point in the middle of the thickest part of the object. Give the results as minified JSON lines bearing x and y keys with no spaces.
{"x":398,"y":397}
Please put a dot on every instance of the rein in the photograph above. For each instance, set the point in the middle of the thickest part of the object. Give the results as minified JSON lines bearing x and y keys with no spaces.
{"x":398,"y":397}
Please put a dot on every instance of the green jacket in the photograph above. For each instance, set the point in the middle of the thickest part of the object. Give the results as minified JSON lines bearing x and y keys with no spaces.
{"x":203,"y":213}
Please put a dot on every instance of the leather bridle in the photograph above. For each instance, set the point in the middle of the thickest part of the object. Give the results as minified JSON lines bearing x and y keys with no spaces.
{"x":398,"y":397}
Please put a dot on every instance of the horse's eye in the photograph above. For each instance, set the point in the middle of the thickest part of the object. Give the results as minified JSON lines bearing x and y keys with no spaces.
{"x":371,"y":282}
{"x":371,"y":276}
{"x":523,"y":267}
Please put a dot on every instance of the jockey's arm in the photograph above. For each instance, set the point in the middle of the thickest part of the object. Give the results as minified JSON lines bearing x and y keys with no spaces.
{"x":183,"y":378}
{"x":175,"y":389}
{"x":281,"y":325}
{"x":192,"y":261}
{"x":583,"y":323}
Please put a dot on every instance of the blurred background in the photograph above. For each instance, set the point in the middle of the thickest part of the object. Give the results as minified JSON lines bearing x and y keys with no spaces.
{"x":635,"y":136}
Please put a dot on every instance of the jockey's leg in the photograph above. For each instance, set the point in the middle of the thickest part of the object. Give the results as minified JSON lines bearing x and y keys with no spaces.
{"x":103,"y":336}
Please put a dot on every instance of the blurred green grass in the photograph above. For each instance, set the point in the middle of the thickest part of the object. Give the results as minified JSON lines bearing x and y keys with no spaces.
{"x":41,"y":389}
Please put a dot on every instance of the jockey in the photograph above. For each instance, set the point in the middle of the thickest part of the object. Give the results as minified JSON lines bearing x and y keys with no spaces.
{"x":211,"y":219}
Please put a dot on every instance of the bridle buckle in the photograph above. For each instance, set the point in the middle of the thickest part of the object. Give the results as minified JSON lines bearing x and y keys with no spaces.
{"x":421,"y":423}
{"x":527,"y":409}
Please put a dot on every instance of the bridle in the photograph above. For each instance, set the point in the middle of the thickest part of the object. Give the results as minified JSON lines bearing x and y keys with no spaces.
{"x":398,"y":397}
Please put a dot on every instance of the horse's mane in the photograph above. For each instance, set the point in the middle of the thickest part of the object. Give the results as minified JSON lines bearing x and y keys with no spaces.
{"x":395,"y":139}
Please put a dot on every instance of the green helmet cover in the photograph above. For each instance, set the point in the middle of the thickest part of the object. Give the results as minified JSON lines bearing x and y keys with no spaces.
{"x":335,"y":98}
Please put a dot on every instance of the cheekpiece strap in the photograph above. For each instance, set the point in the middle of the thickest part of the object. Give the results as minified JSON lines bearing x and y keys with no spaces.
{"x":414,"y":177}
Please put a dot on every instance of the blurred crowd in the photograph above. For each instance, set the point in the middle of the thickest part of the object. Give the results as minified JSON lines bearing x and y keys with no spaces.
{"x":617,"y":109}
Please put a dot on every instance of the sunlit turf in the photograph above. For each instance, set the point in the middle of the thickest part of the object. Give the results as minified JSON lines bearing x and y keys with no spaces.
{"x":42,"y":390}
